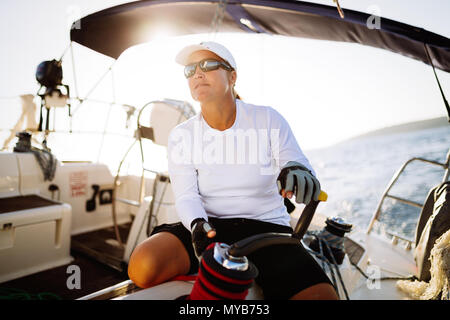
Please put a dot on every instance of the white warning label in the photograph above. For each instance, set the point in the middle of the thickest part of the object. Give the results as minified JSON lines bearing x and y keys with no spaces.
{"x":78,"y":183}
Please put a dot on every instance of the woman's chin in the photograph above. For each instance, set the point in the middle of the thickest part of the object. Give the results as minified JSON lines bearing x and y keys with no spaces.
{"x":202,"y":98}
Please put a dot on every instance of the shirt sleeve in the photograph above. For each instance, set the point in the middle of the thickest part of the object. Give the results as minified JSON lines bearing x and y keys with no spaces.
{"x":283,"y":143}
{"x":183,"y":177}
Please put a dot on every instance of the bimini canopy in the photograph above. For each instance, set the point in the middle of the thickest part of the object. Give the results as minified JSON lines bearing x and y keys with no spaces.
{"x":113,"y":30}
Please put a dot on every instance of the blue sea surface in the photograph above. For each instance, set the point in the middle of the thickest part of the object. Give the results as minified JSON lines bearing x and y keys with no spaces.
{"x":356,"y":173}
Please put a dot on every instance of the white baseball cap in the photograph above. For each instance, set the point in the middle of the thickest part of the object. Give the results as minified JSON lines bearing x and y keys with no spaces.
{"x":217,"y":48}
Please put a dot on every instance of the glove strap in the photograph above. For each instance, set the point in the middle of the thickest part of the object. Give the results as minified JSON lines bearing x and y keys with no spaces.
{"x":295,"y":165}
{"x":195,"y":221}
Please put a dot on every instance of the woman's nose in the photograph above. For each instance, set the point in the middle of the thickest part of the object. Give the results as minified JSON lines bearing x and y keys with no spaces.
{"x":198,"y":72}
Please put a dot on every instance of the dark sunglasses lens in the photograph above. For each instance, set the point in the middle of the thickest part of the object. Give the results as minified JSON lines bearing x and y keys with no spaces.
{"x":189,"y":70}
{"x":209,"y":65}
{"x":205,"y":66}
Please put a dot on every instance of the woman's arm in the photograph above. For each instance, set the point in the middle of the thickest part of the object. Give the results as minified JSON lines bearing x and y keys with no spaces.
{"x":297,"y":177}
{"x":183,"y":177}
{"x":284,"y":145}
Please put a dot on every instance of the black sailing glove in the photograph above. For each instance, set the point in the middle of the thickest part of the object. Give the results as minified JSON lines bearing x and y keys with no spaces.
{"x":202,"y":234}
{"x":296,"y":178}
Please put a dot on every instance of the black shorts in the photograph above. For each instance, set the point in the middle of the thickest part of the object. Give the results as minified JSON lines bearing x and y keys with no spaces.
{"x":284,"y":270}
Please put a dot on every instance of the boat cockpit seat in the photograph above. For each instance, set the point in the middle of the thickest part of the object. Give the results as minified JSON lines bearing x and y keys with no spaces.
{"x":433,"y":222}
{"x":34,"y":230}
{"x":164,"y":116}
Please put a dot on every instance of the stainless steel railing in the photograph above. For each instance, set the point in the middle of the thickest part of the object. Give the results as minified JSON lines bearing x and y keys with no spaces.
{"x":394,"y":179}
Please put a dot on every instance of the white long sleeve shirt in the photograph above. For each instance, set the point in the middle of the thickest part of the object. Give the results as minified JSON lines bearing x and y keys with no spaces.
{"x":232,"y":173}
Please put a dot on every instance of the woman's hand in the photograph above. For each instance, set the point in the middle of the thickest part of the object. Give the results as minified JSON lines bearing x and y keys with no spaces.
{"x":202,"y":234}
{"x":296,"y":179}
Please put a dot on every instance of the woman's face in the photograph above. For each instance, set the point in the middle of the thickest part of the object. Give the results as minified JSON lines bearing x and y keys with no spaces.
{"x":212,"y":85}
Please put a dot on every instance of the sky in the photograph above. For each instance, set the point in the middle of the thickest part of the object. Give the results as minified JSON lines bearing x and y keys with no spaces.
{"x":327,"y":91}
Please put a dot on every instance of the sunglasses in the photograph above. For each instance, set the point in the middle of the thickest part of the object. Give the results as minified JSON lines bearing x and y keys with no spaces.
{"x":205,"y":65}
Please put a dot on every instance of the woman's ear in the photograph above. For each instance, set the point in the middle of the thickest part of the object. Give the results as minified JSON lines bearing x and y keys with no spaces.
{"x":233,"y":77}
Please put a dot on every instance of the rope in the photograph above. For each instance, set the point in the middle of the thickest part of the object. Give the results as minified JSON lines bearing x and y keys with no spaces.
{"x":330,"y":264}
{"x":437,"y":79}
{"x":93,"y":88}
{"x":334,"y":241}
{"x":218,"y":17}
{"x":327,"y":263}
{"x":46,"y":160}
{"x":109,"y":113}
{"x":336,"y":268}
{"x":73,"y":70}
{"x":19,"y":294}
{"x":65,"y":51}
{"x":104,"y":133}
{"x":412,"y":277}
{"x":341,"y":12}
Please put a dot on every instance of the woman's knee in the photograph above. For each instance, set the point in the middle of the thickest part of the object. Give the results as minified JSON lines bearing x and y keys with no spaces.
{"x":142,"y":267}
{"x":157,"y":259}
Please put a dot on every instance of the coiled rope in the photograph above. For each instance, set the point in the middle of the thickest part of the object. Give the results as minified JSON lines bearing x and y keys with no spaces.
{"x":47,"y":161}
{"x":19,"y":294}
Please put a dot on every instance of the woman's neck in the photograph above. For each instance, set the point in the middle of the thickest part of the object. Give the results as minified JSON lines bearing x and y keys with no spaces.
{"x":220,"y":115}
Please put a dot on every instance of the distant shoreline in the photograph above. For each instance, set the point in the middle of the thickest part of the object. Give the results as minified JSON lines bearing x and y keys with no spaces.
{"x":405,"y":127}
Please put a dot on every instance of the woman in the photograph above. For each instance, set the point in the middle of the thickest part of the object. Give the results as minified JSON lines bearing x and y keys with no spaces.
{"x":232,"y":187}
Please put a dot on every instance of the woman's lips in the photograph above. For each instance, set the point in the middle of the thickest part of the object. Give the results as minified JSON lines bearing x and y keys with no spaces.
{"x":200,"y":85}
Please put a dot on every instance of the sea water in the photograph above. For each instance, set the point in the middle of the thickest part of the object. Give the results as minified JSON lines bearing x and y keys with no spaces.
{"x":355,"y":174}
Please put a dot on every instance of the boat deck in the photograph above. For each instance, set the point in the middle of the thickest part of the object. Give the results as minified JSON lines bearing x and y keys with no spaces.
{"x":100,"y":266}
{"x":102,"y":245}
{"x":52,"y":284}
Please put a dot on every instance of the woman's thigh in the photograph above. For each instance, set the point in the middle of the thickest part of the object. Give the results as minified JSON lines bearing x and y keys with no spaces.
{"x":286,"y":270}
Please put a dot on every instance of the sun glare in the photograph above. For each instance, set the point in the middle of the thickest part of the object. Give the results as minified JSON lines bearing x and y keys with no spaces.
{"x":326,"y":96}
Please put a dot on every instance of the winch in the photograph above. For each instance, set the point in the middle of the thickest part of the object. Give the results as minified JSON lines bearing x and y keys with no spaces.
{"x":226,"y":273}
{"x":334,"y":235}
